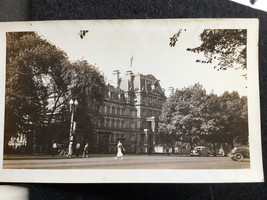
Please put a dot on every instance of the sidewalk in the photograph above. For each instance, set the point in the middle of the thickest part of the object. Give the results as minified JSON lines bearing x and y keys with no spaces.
{"x":39,"y":156}
{"x":36,"y":157}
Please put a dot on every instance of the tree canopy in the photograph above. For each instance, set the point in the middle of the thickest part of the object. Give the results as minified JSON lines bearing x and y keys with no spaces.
{"x":226,"y":47}
{"x":40,"y":81}
{"x":182,"y":114}
{"x":193,"y":116}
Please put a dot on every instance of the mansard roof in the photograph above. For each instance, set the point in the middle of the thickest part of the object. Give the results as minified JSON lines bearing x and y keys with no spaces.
{"x":135,"y":83}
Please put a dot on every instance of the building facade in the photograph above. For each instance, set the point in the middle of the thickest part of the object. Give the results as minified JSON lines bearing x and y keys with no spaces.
{"x":130,"y":112}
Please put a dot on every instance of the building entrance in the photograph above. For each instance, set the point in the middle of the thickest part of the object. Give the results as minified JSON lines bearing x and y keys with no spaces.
{"x":103,"y":142}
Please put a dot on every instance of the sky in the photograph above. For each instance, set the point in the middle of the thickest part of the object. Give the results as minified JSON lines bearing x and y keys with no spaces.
{"x":111,"y":46}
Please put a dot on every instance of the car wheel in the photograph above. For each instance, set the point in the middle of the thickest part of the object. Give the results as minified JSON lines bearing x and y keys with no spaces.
{"x":239,"y":157}
{"x":233,"y":158}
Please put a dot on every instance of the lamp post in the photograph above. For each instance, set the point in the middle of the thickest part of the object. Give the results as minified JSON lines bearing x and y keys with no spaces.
{"x":73,"y":105}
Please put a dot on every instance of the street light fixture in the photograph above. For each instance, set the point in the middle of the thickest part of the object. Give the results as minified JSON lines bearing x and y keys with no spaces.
{"x":73,"y":105}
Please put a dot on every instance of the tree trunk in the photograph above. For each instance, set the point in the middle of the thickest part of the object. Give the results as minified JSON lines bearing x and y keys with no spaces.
{"x":46,"y":140}
{"x":30,"y":143}
{"x":191,"y":143}
{"x":214,"y":149}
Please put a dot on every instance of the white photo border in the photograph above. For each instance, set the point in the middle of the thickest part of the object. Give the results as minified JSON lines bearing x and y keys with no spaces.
{"x":253,"y":174}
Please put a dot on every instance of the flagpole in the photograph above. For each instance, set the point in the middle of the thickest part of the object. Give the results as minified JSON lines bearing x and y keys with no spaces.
{"x":131,"y":62}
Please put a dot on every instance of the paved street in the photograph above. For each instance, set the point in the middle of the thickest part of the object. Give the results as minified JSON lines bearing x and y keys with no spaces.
{"x":129,"y":162}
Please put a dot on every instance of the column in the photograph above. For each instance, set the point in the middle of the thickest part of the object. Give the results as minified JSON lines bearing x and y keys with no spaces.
{"x":146,"y":140}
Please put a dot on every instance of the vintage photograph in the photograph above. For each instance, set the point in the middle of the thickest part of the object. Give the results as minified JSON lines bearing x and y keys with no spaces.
{"x":161,"y":96}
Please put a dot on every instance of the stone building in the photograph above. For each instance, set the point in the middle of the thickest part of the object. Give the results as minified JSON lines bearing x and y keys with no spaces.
{"x":130,"y":113}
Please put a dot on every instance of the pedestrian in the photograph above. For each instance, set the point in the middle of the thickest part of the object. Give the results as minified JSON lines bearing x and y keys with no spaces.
{"x":62,"y":150}
{"x":168,"y":151}
{"x":77,"y":149}
{"x":85,"y":150}
{"x":173,"y":150}
{"x":70,"y":150}
{"x":119,"y":150}
{"x":149,"y":150}
{"x":54,"y":149}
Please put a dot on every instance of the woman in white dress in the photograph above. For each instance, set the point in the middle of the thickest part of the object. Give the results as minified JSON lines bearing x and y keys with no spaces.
{"x":120,"y":148}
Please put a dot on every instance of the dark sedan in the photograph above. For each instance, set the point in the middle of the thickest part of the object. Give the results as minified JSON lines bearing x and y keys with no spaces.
{"x":239,"y":153}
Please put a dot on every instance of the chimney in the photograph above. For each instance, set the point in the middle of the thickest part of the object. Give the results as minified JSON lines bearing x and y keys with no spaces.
{"x":116,"y":78}
{"x":129,"y":75}
{"x":171,"y":89}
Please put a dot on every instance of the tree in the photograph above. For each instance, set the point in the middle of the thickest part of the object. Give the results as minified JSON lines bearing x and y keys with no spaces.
{"x":212,"y":126}
{"x":195,"y":117}
{"x":234,"y":116}
{"x":228,"y":123}
{"x":87,"y":87}
{"x":34,"y":76}
{"x":40,"y":81}
{"x":225,"y":46}
{"x":182,"y":114}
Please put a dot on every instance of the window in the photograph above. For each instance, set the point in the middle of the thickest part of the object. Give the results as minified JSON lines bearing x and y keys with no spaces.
{"x":133,"y":113}
{"x":105,"y":109}
{"x":108,"y":123}
{"x":111,"y":138}
{"x":149,"y":113}
{"x":133,"y":125}
{"x":142,"y":138}
{"x":128,"y":111}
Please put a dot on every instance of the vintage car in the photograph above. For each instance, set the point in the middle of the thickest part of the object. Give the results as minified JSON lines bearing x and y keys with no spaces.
{"x":200,"y":151}
{"x":239,"y":153}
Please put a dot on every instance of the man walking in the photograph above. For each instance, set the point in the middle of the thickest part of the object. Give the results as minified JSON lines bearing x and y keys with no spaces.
{"x":54,"y":150}
{"x":78,"y":146}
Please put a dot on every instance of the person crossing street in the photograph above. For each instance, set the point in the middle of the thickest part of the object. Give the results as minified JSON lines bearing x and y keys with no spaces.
{"x":120,"y":148}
